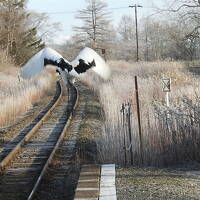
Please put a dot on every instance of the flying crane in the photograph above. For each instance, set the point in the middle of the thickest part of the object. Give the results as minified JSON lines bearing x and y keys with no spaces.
{"x":86,"y":60}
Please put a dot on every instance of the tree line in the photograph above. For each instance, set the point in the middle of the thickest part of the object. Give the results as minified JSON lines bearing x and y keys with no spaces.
{"x":171,"y":35}
{"x":174,"y":35}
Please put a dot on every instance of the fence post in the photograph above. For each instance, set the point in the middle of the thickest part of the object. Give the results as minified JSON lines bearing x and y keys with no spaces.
{"x":139,"y":119}
{"x":129,"y":131}
{"x":123,"y":128}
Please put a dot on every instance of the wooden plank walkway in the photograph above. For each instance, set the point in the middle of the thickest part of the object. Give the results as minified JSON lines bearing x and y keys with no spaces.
{"x":88,"y":184}
{"x":107,"y":183}
{"x":96,"y":183}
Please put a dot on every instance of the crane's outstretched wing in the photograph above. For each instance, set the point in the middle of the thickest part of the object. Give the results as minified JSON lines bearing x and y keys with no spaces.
{"x":89,"y":59}
{"x":37,"y":63}
{"x":86,"y":60}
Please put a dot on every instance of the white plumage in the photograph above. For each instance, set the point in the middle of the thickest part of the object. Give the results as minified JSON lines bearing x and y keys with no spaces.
{"x":89,"y":55}
{"x":87,"y":60}
{"x":36,"y":64}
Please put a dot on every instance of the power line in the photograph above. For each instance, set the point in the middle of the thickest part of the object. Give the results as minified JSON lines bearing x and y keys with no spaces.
{"x":73,"y":12}
{"x":60,"y":13}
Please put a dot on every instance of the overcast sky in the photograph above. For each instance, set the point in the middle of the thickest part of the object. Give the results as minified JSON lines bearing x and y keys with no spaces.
{"x":56,"y":9}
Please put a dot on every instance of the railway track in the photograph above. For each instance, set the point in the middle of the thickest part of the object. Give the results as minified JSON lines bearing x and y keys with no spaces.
{"x":9,"y":141}
{"x":24,"y":165}
{"x":62,"y":177}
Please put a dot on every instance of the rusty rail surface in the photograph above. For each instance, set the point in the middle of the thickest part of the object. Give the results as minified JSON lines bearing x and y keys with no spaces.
{"x":5,"y":162}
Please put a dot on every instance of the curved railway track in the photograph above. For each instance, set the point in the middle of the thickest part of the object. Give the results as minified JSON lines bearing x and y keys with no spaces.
{"x":61,"y":180}
{"x":23,"y":167}
{"x":9,"y":141}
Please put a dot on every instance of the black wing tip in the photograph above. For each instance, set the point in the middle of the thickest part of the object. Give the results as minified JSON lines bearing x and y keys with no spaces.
{"x":83,"y":66}
{"x":90,"y":64}
{"x":59,"y":63}
{"x":49,"y":62}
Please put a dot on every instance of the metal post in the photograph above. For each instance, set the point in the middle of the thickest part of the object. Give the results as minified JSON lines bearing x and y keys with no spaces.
{"x":123,"y":126}
{"x":136,"y":30}
{"x":167,"y":99}
{"x":139,"y":118}
{"x":166,"y":88}
{"x":103,"y":51}
{"x":129,"y":131}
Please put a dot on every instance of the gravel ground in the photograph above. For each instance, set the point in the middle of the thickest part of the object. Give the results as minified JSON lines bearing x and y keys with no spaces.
{"x":144,"y":184}
{"x":90,"y":128}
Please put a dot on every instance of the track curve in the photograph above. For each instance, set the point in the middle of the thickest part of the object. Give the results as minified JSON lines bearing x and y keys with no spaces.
{"x":20,"y":178}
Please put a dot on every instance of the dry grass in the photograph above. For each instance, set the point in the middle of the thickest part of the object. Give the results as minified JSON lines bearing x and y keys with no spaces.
{"x":169,"y":134}
{"x":140,"y":184}
{"x":17,"y":97}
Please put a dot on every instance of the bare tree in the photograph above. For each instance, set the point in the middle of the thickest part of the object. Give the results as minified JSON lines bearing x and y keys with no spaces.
{"x":187,"y":14}
{"x":46,"y":29}
{"x":95,"y":19}
{"x":126,"y":38}
{"x":11,"y":16}
{"x":178,"y":5}
{"x":126,"y":28}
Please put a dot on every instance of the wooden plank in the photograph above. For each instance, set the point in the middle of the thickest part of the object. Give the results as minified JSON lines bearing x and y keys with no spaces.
{"x":107,"y":183}
{"x":86,"y":199}
{"x":88,"y":184}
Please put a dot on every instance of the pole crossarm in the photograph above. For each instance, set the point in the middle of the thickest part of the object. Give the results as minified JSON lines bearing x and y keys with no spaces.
{"x":139,"y":6}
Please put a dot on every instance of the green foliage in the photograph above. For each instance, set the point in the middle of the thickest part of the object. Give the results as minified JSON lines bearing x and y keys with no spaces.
{"x":18,"y":38}
{"x":27,"y":46}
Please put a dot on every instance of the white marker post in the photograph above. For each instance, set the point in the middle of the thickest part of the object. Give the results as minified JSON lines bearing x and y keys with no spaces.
{"x":166,"y":88}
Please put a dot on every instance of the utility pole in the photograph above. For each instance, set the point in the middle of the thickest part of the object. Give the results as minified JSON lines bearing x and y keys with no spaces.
{"x":146,"y":40}
{"x":139,"y":120}
{"x":136,"y":29}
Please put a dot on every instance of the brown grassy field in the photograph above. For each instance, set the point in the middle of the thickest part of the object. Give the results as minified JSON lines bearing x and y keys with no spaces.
{"x":16,"y":96}
{"x":169,"y":134}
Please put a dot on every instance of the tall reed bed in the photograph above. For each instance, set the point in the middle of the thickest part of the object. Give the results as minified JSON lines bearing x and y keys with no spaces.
{"x":169,"y":134}
{"x":16,"y":96}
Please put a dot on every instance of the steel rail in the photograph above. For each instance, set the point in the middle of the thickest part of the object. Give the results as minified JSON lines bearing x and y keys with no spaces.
{"x":5,"y":162}
{"x":49,"y":160}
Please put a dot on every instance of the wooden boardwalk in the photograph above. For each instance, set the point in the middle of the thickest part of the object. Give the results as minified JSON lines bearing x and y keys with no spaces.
{"x":96,"y":182}
{"x":107,"y":183}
